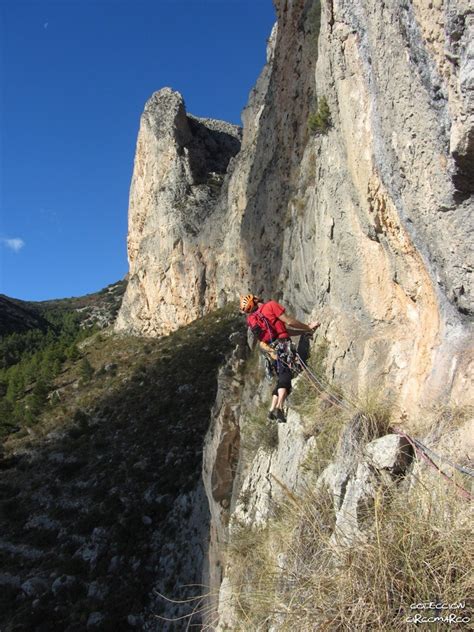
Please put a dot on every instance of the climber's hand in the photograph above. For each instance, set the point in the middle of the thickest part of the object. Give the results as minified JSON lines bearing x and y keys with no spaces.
{"x":268,"y":350}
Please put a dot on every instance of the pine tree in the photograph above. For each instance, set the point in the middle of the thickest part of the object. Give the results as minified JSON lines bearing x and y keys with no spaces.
{"x":6,"y":412}
{"x":38,"y":398}
{"x":16,"y":384}
{"x":86,"y":370}
{"x":73,"y":353}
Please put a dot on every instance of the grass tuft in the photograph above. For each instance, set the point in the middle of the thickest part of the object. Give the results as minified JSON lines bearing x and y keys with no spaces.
{"x":415,"y":552}
{"x":259,"y":432}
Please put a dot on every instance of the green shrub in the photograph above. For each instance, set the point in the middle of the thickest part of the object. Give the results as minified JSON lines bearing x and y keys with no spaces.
{"x":319,"y":121}
{"x":7,"y":421}
{"x":81,"y":418}
{"x":86,"y":370}
{"x":259,"y":432}
{"x":73,"y":353}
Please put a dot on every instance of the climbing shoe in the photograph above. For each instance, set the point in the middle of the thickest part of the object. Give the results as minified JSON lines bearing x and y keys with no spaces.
{"x":271,"y":415}
{"x":280,"y":415}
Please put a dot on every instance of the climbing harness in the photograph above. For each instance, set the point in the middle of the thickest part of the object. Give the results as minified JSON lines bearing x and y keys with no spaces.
{"x":286,"y":356}
{"x":283,"y":354}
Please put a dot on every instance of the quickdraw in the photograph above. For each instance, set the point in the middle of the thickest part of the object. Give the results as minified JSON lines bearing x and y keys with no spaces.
{"x":287,"y":356}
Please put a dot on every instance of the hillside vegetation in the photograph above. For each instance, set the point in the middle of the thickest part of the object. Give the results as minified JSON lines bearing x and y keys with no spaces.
{"x":34,"y":355}
{"x":88,"y":492}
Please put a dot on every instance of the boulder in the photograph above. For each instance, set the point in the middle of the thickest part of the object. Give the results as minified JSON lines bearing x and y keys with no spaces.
{"x":390,"y":452}
{"x":95,"y":620}
{"x":35,"y":586}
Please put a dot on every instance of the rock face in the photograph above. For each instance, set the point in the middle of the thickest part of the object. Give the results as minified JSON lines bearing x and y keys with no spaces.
{"x":220,"y":459}
{"x":380,"y":245}
{"x":179,"y":167}
{"x":365,"y":226}
{"x":361,"y":220}
{"x":245,"y":484}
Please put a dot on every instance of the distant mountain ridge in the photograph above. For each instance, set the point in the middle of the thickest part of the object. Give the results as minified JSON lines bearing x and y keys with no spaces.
{"x":17,"y":316}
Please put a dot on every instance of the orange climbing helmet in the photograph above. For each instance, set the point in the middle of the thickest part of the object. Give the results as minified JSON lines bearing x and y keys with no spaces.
{"x":248,"y":303}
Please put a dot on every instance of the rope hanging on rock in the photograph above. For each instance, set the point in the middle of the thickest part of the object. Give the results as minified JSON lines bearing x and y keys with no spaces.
{"x":461,"y":468}
{"x":418,"y":447}
{"x":317,"y":382}
{"x":424,"y":456}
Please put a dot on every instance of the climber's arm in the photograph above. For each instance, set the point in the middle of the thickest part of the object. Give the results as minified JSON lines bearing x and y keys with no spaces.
{"x":296,"y":327}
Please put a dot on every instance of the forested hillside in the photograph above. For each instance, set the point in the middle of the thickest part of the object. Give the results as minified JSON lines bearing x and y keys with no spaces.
{"x":33,"y":356}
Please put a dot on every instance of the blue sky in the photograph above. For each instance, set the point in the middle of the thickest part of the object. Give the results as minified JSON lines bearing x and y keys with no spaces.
{"x":74,"y":77}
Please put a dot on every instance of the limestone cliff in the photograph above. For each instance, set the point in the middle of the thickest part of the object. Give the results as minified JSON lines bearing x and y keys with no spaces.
{"x":350,"y":200}
{"x":365,"y":226}
{"x":179,"y":167}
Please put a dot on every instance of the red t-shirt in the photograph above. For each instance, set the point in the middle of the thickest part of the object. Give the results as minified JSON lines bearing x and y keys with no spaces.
{"x":265,"y":323}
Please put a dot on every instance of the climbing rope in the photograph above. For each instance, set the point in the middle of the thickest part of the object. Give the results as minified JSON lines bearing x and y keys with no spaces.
{"x":317,"y":382}
{"x":418,"y":447}
{"x":429,"y":460}
{"x":460,"y":468}
{"x":314,"y":381}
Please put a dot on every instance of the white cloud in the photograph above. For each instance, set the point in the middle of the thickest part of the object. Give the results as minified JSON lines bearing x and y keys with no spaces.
{"x":15,"y":244}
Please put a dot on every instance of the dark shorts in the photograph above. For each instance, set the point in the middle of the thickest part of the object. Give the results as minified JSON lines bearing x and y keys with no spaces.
{"x":284,"y":380}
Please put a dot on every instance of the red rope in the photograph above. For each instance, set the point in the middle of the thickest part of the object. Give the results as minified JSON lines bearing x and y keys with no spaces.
{"x":424,"y":456}
{"x":309,"y":376}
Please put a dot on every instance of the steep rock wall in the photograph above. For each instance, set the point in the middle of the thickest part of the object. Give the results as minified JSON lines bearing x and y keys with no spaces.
{"x":377,"y":226}
{"x":179,"y":166}
{"x":366,"y":226}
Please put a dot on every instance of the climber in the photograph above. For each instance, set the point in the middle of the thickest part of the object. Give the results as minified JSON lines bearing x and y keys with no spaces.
{"x":273,"y":328}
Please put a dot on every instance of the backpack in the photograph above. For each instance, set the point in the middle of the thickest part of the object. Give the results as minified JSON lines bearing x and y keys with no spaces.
{"x":260,"y":326}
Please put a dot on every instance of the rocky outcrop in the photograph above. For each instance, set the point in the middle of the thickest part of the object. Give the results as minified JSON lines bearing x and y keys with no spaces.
{"x":359,"y":216}
{"x":380,"y":245}
{"x":220,"y":459}
{"x":368,"y":228}
{"x":180,"y":163}
{"x":353,"y":484}
{"x":364,"y":226}
{"x":245,"y":487}
{"x":447,"y":29}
